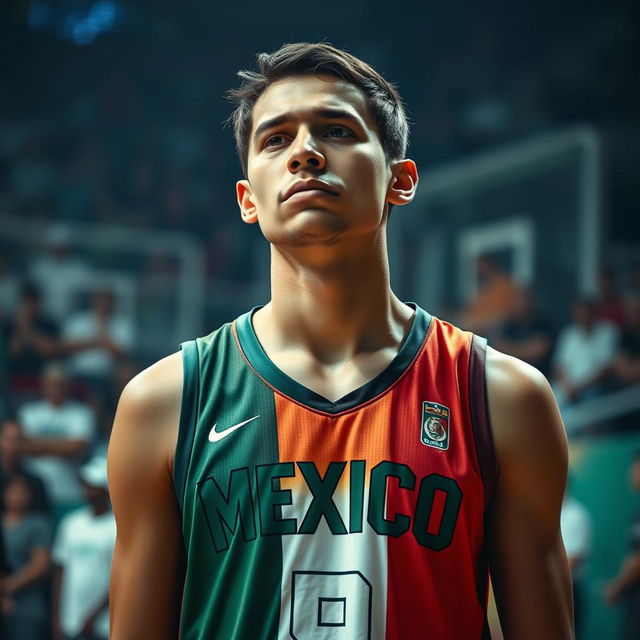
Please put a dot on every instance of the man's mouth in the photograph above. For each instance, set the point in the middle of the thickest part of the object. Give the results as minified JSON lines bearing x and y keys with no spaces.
{"x":311,"y":188}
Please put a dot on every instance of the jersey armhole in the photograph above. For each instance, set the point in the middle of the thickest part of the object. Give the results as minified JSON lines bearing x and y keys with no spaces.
{"x":480,"y":420}
{"x":189,"y":411}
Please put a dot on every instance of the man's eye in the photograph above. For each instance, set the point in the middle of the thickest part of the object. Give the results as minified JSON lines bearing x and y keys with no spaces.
{"x":269,"y":142}
{"x":343,"y":132}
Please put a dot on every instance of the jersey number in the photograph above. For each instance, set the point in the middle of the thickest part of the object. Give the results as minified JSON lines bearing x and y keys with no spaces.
{"x":330,"y":605}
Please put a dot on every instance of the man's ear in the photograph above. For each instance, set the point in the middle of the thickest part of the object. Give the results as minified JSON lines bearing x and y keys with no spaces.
{"x":404,"y":182}
{"x":246,"y":202}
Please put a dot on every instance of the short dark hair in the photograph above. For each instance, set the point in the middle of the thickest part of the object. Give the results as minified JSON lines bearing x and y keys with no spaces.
{"x":300,"y":58}
{"x":20,"y":476}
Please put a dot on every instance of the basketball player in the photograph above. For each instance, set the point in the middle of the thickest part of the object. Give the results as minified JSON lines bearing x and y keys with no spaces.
{"x":336,"y":463}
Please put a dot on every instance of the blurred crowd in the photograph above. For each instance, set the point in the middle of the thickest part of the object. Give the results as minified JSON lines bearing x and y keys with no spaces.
{"x":596,"y":352}
{"x":62,"y":368}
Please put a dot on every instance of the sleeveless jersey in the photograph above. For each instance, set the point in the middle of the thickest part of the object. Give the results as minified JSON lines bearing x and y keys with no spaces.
{"x":361,"y":519}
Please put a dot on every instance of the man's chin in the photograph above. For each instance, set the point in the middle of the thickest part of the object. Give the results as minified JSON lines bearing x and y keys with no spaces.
{"x":308,"y":228}
{"x":307,"y":236}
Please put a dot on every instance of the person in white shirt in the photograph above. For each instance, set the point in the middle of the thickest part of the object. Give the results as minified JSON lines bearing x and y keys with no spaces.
{"x":60,"y":275}
{"x":81,"y":554}
{"x":584,"y":355}
{"x":96,"y":338}
{"x":575,"y":526}
{"x":58,"y":431}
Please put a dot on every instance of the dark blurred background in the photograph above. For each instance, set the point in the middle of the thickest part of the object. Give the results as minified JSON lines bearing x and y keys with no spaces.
{"x":120,"y":235}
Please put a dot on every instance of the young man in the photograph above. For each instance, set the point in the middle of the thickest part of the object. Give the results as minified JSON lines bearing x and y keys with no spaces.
{"x":326,"y":466}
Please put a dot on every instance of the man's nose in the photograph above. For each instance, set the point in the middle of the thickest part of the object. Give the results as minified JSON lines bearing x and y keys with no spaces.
{"x":305,"y":154}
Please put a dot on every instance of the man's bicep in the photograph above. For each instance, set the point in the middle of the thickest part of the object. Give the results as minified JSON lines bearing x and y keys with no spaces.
{"x":529,"y":568}
{"x":148,"y":559}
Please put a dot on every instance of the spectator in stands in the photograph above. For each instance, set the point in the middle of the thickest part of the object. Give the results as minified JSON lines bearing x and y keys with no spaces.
{"x":525,"y":333}
{"x":96,"y":339}
{"x":584,"y":355}
{"x":30,"y":339}
{"x":624,"y":588}
{"x":575,"y":526}
{"x":82,"y":554}
{"x":12,"y":462}
{"x":26,"y":537}
{"x":610,"y":302}
{"x":491,"y":306}
{"x":60,"y":274}
{"x":58,"y":431}
{"x":627,"y":362}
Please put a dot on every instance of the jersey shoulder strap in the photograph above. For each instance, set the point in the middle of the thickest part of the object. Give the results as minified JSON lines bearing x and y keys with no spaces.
{"x":189,"y":412}
{"x":480,"y":421}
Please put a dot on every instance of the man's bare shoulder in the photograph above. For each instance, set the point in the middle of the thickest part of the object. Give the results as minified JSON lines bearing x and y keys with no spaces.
{"x":156,"y":387}
{"x":521,"y":402}
{"x":149,"y":406}
{"x":530,"y":440}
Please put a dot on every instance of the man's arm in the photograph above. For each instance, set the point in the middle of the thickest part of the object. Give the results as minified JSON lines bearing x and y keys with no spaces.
{"x":70,"y":346}
{"x":38,"y":446}
{"x":529,"y":568}
{"x":45,"y":345}
{"x":628,"y":577}
{"x":147,"y":571}
{"x":31,"y":572}
{"x":56,"y":629}
{"x":90,"y":620}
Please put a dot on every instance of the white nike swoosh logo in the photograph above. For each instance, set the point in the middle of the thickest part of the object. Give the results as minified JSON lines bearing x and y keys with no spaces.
{"x":216,"y":436}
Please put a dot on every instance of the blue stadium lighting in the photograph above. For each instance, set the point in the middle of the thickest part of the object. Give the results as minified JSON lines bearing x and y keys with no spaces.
{"x":84,"y":32}
{"x":81,"y":22}
{"x":67,"y":25}
{"x":103,"y":14}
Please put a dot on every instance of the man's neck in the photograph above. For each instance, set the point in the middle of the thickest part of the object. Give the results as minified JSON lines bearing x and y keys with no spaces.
{"x":336,"y":307}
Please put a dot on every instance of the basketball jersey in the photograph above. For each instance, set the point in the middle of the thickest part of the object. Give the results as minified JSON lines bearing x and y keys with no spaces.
{"x":361,"y":519}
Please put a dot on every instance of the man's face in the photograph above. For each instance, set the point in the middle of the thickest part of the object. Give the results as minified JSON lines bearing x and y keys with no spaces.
{"x":54,"y":386}
{"x":307,"y":127}
{"x":583,"y":314}
{"x":103,"y":302}
{"x":10,"y":439}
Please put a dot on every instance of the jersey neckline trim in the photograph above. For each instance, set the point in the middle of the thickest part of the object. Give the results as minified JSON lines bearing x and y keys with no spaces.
{"x":273,"y":376}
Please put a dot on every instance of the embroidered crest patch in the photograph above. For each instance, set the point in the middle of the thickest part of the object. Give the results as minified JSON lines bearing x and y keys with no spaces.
{"x":435,"y":425}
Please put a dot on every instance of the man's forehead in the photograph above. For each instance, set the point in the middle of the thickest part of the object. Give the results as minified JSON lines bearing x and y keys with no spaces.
{"x":297,"y":95}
